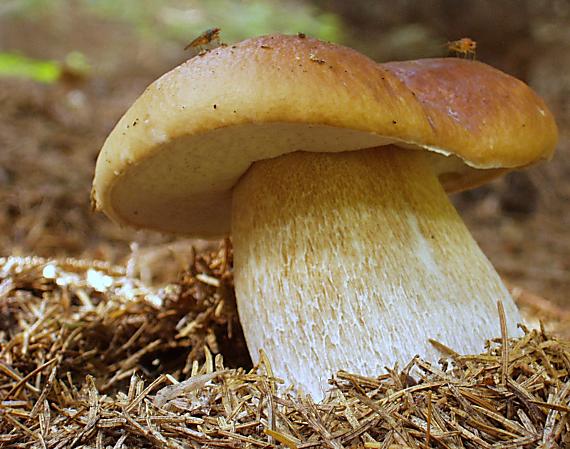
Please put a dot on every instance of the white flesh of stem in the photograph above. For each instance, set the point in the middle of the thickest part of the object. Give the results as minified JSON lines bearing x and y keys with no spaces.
{"x":353,"y":261}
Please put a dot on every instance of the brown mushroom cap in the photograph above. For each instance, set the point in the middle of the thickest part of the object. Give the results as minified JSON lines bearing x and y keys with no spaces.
{"x":172,"y":160}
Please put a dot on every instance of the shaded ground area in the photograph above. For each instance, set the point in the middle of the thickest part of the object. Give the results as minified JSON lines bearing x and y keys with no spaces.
{"x":50,"y":134}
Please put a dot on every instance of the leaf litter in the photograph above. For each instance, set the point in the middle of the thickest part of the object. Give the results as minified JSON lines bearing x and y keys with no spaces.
{"x":93,"y":358}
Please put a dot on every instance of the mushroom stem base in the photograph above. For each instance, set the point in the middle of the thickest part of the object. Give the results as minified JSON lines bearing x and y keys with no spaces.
{"x":353,"y":261}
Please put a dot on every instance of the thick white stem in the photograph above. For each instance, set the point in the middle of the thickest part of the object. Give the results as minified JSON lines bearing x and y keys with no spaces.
{"x":353,"y":261}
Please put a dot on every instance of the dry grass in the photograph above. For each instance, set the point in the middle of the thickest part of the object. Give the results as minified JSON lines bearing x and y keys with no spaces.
{"x":92,"y":358}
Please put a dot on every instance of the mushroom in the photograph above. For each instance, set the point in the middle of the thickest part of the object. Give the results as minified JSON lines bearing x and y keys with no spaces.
{"x":331,"y":173}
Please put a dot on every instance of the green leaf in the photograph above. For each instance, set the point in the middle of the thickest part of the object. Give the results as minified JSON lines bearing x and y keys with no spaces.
{"x":18,"y":66}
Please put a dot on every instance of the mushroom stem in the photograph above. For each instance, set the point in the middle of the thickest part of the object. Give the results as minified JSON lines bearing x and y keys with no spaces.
{"x":353,"y":261}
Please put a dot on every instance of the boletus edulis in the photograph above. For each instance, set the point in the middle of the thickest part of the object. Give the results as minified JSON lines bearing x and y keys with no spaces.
{"x":331,"y":173}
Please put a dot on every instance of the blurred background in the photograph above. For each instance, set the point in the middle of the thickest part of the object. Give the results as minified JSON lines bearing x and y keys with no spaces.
{"x":69,"y":69}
